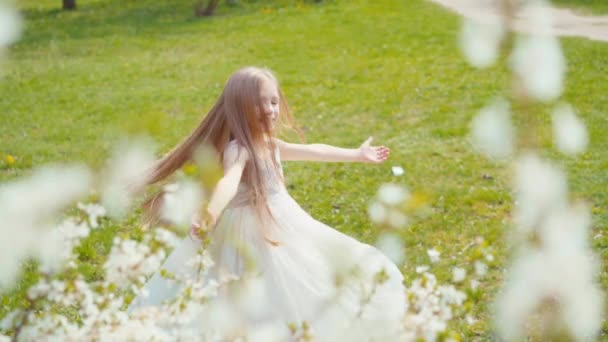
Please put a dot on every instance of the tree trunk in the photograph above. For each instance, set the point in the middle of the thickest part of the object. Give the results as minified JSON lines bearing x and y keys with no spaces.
{"x":69,"y":4}
{"x":200,"y":10}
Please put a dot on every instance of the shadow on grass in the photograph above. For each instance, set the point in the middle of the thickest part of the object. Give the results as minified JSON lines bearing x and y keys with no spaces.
{"x":101,"y":19}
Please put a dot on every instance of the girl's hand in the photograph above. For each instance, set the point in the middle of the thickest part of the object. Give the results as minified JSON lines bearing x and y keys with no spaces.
{"x":373,"y":154}
{"x":195,"y":231}
{"x":200,"y":226}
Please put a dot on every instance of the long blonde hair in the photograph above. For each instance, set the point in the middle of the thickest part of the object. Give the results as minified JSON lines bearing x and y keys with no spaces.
{"x":235,"y":116}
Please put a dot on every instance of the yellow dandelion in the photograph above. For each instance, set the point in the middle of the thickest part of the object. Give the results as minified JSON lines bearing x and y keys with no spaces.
{"x":416,"y":202}
{"x":190,"y":169}
{"x":10,"y":160}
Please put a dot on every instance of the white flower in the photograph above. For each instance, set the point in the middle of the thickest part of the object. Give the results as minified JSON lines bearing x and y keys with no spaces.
{"x":540,"y":12}
{"x":10,"y":25}
{"x":422,"y":268}
{"x":396,"y":218}
{"x":167,"y":237}
{"x":492,"y":131}
{"x":474,"y":284}
{"x":392,"y":194}
{"x":125,"y":174}
{"x":539,"y":63}
{"x":26,"y":207}
{"x":392,"y":246}
{"x":523,"y":289}
{"x":458,"y":274}
{"x":538,"y":273}
{"x":433,"y":255}
{"x":397,"y":170}
{"x":449,"y":295}
{"x":54,"y":250}
{"x":129,"y":260}
{"x":480,"y":268}
{"x":179,"y":206}
{"x":251,"y":298}
{"x":377,"y":212}
{"x":47,"y":191}
{"x":56,"y":244}
{"x":569,"y":132}
{"x":480,"y":42}
{"x":539,"y":188}
{"x":430,"y":308}
{"x":94,"y":211}
{"x":274,"y":331}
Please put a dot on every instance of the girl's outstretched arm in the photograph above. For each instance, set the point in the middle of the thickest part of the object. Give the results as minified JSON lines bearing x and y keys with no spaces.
{"x":327,"y":153}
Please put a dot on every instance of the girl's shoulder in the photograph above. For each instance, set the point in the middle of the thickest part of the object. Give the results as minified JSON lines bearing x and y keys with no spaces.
{"x":233,"y":146}
{"x":234,"y":151}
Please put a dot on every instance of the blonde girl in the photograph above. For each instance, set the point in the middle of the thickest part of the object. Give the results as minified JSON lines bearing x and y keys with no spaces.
{"x":254,"y":218}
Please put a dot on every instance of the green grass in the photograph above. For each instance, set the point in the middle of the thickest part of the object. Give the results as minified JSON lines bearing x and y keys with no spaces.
{"x":79,"y":80}
{"x":584,"y":6}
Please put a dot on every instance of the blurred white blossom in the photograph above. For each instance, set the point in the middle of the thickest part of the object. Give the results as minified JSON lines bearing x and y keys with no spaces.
{"x":130,"y":260}
{"x":10,"y":25}
{"x":387,"y":209}
{"x":126,"y":174}
{"x":396,"y":218}
{"x":94,"y":212}
{"x":392,"y":194}
{"x":250,"y":298}
{"x":56,"y":244}
{"x":539,"y":188}
{"x":377,"y":212}
{"x":480,"y":41}
{"x":537,"y":58}
{"x":29,"y":206}
{"x":492,"y":131}
{"x":167,"y":237}
{"x":539,"y":63}
{"x":559,"y":267}
{"x":480,"y":268}
{"x":181,"y":201}
{"x":569,"y":131}
{"x":433,"y":255}
{"x":391,"y":245}
{"x":397,"y":170}
{"x":430,"y":308}
{"x":422,"y":268}
{"x":458,"y":274}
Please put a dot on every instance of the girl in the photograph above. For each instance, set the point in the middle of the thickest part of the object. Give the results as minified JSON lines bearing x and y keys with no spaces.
{"x":254,"y":218}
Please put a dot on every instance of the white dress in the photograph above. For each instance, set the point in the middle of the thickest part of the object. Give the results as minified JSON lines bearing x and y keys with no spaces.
{"x":300,"y":273}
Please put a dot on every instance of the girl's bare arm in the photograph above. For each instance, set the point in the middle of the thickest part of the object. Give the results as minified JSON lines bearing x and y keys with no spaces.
{"x":226,"y":188}
{"x":327,"y":153}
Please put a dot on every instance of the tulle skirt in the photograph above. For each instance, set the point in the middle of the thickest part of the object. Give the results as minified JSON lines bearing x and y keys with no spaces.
{"x":312,"y":273}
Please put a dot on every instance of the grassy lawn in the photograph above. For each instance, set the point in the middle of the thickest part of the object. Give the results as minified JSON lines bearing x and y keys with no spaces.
{"x":77,"y":81}
{"x":585,"y":6}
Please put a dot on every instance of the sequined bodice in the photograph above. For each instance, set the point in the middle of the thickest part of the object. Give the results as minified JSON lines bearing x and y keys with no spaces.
{"x":272,"y":182}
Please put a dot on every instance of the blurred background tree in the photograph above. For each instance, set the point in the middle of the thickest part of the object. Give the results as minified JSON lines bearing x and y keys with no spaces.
{"x":69,"y":4}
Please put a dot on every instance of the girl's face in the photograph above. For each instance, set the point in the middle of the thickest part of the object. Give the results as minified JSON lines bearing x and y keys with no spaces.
{"x":269,"y":96}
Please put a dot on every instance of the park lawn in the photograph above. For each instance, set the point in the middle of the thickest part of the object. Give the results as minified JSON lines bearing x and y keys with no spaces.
{"x":585,"y":6}
{"x":78,"y":81}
